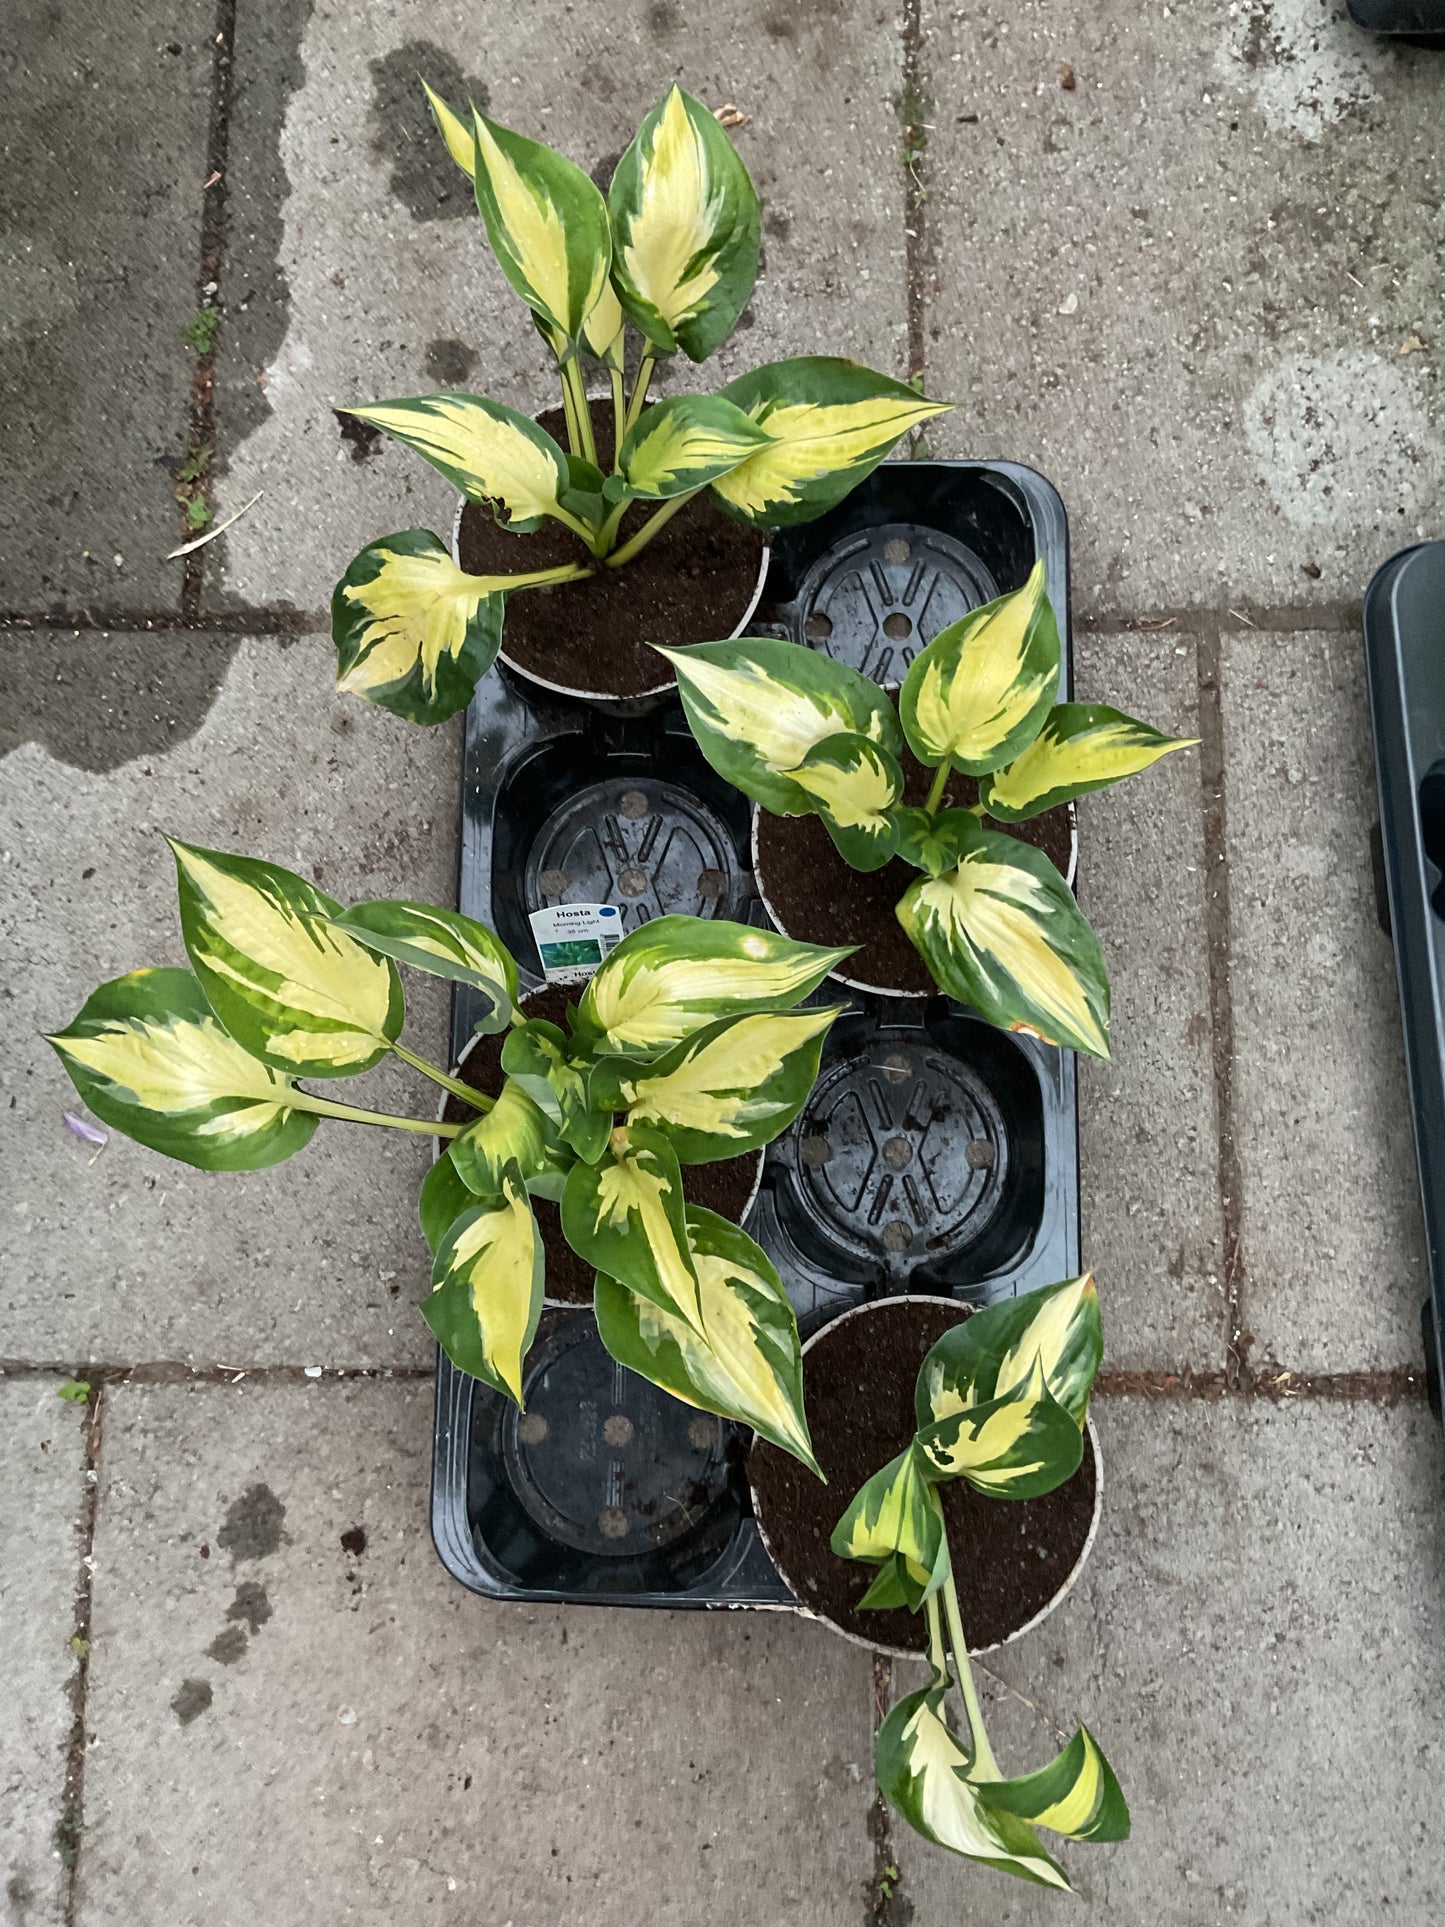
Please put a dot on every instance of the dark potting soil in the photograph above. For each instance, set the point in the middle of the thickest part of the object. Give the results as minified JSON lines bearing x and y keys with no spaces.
{"x":724,"y":1187}
{"x":819,"y":899}
{"x":1010,"y":1556}
{"x":692,"y":583}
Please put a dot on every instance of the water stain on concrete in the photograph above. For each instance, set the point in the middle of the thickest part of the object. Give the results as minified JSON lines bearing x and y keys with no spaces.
{"x":191,"y":1700}
{"x":250,"y":1605}
{"x":424,"y":177}
{"x":1303,"y":62}
{"x":96,"y":701}
{"x":253,"y":1528}
{"x":360,"y":437}
{"x":448,"y":362}
{"x":228,"y":1645}
{"x":664,"y":17}
{"x":353,"y":1540}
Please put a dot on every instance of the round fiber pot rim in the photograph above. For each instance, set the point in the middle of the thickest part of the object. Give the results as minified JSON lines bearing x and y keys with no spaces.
{"x":900,"y":1652}
{"x":840,"y":975}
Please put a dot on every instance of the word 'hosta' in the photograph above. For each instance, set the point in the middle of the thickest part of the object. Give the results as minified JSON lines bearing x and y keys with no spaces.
{"x":992,"y":918}
{"x":1000,"y":1402}
{"x":687,"y":1046}
{"x":672,"y":253}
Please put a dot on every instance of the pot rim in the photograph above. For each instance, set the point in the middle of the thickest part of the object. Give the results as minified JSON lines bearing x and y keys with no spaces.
{"x":903,"y":1652}
{"x":840,"y":975}
{"x":439,"y":1145}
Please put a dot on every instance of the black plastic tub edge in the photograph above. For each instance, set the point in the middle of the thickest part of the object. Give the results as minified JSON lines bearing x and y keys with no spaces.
{"x":1404,"y":623}
{"x":1418,"y":23}
{"x":936,"y":1154}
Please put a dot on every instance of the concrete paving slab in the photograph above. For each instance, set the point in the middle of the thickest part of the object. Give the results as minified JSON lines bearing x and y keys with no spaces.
{"x":105,"y":112}
{"x":358,"y":270}
{"x":1333,"y":1246}
{"x":131,"y":1256}
{"x":41,"y":1487}
{"x":283,"y":1725}
{"x":1184,"y":260}
{"x":1147,"y":1139}
{"x":1258,"y":1643}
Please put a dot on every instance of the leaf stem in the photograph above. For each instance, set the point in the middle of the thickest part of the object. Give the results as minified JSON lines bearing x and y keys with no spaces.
{"x":649,"y":528}
{"x":477,"y":1099}
{"x":575,"y":523}
{"x":939,"y":784}
{"x":607,"y":534}
{"x":299,"y":1100}
{"x":537,"y":578}
{"x":937,"y":1656}
{"x":572,"y":376}
{"x":639,"y":390}
{"x":569,"y":411}
{"x":985,"y":1766}
{"x":619,"y":418}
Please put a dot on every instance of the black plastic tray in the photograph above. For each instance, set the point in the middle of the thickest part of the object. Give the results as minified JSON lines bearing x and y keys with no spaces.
{"x":936,"y":1153}
{"x":1420,"y":23}
{"x":1405,"y":656}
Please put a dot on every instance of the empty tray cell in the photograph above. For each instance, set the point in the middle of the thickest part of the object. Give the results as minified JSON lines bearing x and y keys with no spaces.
{"x":877,"y":597}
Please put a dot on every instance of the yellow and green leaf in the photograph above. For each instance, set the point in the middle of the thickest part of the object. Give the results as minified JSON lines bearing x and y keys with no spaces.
{"x":684,"y":229}
{"x":854,"y":783}
{"x":149,"y":1058}
{"x":671,"y":976}
{"x":536,"y":1056}
{"x":829,"y":422}
{"x":994,"y":1351}
{"x":933,"y":843}
{"x":681,"y":444}
{"x":515,"y":1132}
{"x":978,"y":695}
{"x":413,"y":633}
{"x":487,"y":1287}
{"x":285,"y":982}
{"x":488,"y":451}
{"x":895,"y":1521}
{"x":547,"y":224}
{"x":1081,"y":747}
{"x":443,"y":1197}
{"x":626,"y":1216}
{"x":444,"y":943}
{"x":757,"y":707}
{"x":728,"y":1088}
{"x":1076,"y":1794}
{"x":746,"y":1364}
{"x":923,"y":1770}
{"x":456,"y":132}
{"x":603,"y":331}
{"x":1002,"y":932}
{"x":1017,"y":1445}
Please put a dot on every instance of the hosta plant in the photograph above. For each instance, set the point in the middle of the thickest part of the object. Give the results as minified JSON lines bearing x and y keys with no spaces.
{"x":669,"y":255}
{"x":687,"y":1046}
{"x":1001,"y":1402}
{"x":991,"y":916}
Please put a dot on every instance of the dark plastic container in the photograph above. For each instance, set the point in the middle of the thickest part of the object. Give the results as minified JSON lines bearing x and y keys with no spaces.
{"x":1419,"y":23}
{"x":936,"y":1154}
{"x":1405,"y":656}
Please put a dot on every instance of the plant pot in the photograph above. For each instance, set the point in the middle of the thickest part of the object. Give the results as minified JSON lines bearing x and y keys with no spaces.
{"x":1013,"y":1560}
{"x":698,"y":580}
{"x":729,"y":1187}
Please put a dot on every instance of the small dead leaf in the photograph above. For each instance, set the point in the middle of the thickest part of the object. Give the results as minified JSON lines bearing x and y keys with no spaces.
{"x":210,"y":180}
{"x":210,"y":535}
{"x":1413,"y":345}
{"x":1066,"y":78}
{"x":730,"y":115}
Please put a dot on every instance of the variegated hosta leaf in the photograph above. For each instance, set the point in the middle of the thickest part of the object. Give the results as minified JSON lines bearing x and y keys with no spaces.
{"x":1002,"y":932}
{"x":727,"y":1088}
{"x":933,"y":843}
{"x":413,"y":634}
{"x":923,"y":1769}
{"x":757,"y":706}
{"x":1076,"y":1794}
{"x":684,"y":228}
{"x":443,"y":1197}
{"x":444,"y":943}
{"x":746,"y":1365}
{"x":978,"y":694}
{"x":854,"y":783}
{"x":535,"y":1056}
{"x":683,"y":443}
{"x":547,"y":224}
{"x":456,"y":132}
{"x":602,"y":332}
{"x":830,"y":423}
{"x":1016,"y":1446}
{"x":288,"y":985}
{"x":488,"y":451}
{"x":895,"y":1521}
{"x":487,"y":1285}
{"x":148,"y":1056}
{"x":671,"y":976}
{"x":626,"y":1217}
{"x":515,"y":1131}
{"x":1081,"y":747}
{"x":994,"y":1350}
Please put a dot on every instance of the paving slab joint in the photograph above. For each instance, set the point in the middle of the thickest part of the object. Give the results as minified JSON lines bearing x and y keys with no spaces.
{"x":69,"y":1828}
{"x":171,"y":1371}
{"x":912,"y":104}
{"x":886,"y":1905}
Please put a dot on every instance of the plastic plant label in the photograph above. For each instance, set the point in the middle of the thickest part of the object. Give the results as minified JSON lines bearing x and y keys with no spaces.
{"x":573,"y":938}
